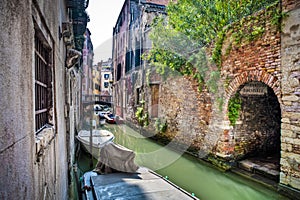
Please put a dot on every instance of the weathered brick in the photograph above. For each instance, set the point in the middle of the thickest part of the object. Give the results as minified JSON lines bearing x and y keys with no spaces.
{"x":288,"y":133}
{"x":285,"y":120}
{"x":290,"y":98}
{"x":296,"y":141}
{"x":285,"y":126}
{"x":284,"y":178}
{"x":295,"y":128}
{"x":295,"y":182}
{"x":288,"y":140}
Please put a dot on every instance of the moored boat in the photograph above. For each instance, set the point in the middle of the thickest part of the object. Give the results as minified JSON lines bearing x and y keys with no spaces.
{"x":143,"y":184}
{"x":98,"y":137}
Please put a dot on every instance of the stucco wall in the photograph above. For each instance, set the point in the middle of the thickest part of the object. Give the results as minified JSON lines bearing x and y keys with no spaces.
{"x":24,"y":174}
{"x":120,"y":47}
{"x":16,"y":102}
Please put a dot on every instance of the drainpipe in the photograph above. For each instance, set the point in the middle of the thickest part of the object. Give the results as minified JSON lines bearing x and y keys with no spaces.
{"x":141,"y":46}
{"x":112,"y":69}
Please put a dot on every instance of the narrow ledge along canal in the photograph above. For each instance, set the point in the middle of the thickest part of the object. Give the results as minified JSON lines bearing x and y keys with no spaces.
{"x":188,"y":172}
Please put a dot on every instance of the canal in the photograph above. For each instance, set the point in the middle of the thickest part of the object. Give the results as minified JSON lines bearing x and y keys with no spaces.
{"x":191,"y":174}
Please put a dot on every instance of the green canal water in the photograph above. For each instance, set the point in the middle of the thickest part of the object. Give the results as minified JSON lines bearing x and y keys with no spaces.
{"x":189,"y":173}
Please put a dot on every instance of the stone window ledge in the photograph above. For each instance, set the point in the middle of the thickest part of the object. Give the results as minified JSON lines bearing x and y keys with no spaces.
{"x":42,"y":141}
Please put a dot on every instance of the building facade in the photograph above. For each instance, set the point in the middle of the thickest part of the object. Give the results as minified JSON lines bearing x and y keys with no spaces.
{"x":87,"y":57}
{"x":41,"y":50}
{"x":97,"y":81}
{"x":130,"y":41}
{"x":290,"y":99}
{"x":106,"y":81}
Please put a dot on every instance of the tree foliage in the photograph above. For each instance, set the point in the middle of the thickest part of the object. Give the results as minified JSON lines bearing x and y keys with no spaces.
{"x":181,"y":38}
{"x":203,"y":20}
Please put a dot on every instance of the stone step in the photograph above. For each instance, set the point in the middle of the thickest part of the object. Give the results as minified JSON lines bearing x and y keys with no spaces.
{"x":262,"y":169}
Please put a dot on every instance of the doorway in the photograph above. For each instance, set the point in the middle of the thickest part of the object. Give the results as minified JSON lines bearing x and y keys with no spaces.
{"x":257,"y":131}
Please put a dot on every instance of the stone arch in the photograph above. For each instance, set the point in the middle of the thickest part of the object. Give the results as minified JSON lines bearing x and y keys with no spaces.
{"x":225,"y":144}
{"x":248,"y":76}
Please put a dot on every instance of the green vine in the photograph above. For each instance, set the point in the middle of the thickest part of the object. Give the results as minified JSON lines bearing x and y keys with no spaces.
{"x":160,"y":126}
{"x":219,"y":163}
{"x":217,"y":51}
{"x":220,"y":102}
{"x":141,"y":115}
{"x":234,"y":107}
{"x":253,"y":27}
{"x":181,"y":38}
{"x":276,"y":14}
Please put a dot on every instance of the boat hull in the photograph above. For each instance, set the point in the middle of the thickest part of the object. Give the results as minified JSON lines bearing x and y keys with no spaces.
{"x":98,"y":138}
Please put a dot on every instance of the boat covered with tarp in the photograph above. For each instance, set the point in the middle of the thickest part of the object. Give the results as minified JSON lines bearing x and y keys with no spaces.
{"x":94,"y":140}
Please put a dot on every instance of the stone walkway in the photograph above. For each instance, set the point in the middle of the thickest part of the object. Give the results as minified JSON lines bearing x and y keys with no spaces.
{"x":267,"y":167}
{"x":145,"y":184}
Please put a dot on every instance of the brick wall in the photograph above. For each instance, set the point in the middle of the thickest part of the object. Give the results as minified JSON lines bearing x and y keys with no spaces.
{"x":248,"y":60}
{"x":186,"y":111}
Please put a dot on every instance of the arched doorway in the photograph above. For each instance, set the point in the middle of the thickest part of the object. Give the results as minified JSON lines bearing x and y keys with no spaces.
{"x":257,"y":130}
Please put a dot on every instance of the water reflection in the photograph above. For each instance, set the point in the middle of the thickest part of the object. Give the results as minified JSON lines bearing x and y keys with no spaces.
{"x":195,"y":176}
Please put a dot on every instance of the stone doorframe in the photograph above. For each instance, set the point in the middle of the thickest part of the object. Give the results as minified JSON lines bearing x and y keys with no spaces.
{"x":225,"y":145}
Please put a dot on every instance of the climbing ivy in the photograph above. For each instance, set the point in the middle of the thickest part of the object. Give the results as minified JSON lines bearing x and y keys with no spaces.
{"x":181,"y":40}
{"x":160,"y":125}
{"x":250,"y":28}
{"x":141,"y":115}
{"x":217,"y":51}
{"x":221,"y":164}
{"x":234,"y":107}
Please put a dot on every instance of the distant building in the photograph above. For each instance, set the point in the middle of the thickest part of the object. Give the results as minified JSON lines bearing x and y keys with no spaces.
{"x":102,"y":80}
{"x":97,"y":81}
{"x":106,"y":80}
{"x":130,"y":41}
{"x":87,"y":57}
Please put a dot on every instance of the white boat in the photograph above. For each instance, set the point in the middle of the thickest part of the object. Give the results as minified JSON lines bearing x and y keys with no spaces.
{"x":98,"y":137}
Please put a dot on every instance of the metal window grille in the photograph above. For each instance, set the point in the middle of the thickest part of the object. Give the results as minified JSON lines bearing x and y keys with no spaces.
{"x":43,"y":88}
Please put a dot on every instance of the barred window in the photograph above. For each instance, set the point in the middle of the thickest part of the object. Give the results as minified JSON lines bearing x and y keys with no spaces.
{"x":106,"y":76}
{"x":43,"y":84}
{"x":105,"y":84}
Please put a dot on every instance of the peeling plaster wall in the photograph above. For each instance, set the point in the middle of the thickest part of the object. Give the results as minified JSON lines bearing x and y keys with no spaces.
{"x":121,"y":37}
{"x":159,"y":2}
{"x":22,"y":177}
{"x":16,"y":102}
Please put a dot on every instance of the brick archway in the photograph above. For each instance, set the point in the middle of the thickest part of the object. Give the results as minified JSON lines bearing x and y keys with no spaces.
{"x":249,"y":76}
{"x":225,"y":146}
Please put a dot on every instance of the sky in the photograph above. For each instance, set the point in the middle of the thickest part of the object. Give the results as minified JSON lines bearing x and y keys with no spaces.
{"x":103,"y":16}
